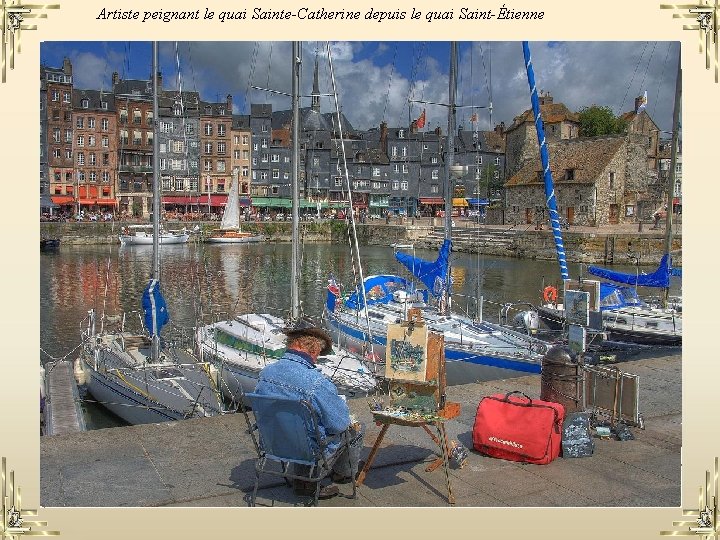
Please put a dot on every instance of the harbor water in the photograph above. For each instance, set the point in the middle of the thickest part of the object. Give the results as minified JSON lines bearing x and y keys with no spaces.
{"x":204,"y":282}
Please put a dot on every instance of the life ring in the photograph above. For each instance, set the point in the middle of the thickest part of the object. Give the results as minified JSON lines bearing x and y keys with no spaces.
{"x":550,"y":294}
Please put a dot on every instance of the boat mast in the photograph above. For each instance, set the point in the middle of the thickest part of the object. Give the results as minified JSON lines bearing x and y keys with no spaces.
{"x":295,"y":271}
{"x":671,"y":176}
{"x":156,"y":191}
{"x":449,"y":161}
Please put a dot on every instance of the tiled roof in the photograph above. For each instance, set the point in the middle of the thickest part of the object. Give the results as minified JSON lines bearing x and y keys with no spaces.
{"x":587,"y":157}
{"x":551,"y":113}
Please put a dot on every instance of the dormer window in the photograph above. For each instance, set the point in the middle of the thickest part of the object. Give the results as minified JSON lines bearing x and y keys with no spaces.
{"x":401,"y":134}
{"x":85,"y":103}
{"x":569,"y":174}
{"x":104,"y":105}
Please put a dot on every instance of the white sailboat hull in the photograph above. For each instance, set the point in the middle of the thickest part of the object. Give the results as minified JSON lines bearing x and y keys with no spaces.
{"x":234,"y":237}
{"x":143,"y":239}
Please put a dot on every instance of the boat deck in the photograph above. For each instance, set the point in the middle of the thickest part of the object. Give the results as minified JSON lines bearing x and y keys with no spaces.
{"x":212,"y":461}
{"x":64,"y":414}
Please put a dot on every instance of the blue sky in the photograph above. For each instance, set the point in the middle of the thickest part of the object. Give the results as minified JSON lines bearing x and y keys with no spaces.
{"x":375,"y":80}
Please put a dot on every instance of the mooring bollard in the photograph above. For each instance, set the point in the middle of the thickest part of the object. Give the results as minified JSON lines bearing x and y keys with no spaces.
{"x":561,"y":380}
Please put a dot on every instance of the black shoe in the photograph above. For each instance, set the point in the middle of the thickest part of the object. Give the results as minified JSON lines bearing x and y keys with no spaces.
{"x":307,"y":489}
{"x":337,"y":479}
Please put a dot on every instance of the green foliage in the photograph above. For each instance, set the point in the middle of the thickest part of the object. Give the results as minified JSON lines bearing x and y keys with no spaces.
{"x":596,"y":120}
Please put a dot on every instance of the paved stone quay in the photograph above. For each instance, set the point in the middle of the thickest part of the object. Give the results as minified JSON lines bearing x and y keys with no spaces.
{"x":209,"y":462}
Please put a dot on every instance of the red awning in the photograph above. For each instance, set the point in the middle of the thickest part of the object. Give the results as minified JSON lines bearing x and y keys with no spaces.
{"x":177,"y":199}
{"x":432,"y":200}
{"x":107,"y":202}
{"x":88,"y":202}
{"x":215,"y":200}
{"x":62,"y":199}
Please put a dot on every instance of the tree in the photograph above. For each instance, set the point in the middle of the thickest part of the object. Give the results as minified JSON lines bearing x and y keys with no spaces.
{"x":596,"y":120}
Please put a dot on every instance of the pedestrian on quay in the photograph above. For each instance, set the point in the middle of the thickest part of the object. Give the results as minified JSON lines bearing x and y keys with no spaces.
{"x":294,"y":376}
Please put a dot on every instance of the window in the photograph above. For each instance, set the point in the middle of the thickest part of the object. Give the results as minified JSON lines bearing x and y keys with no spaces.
{"x":91,"y":140}
{"x":254,"y":161}
{"x":123,"y":115}
{"x":264,"y":158}
{"x":275,"y":158}
{"x":255,"y":147}
{"x":245,"y":140}
{"x":68,"y":153}
{"x":55,"y":95}
{"x":178,"y":164}
{"x":221,"y":130}
{"x":220,"y":165}
{"x":221,"y":148}
{"x":68,"y":135}
{"x":207,"y":166}
{"x":245,"y":171}
{"x":104,"y":124}
{"x":91,"y":159}
{"x":81,"y":178}
{"x":56,"y":135}
{"x":406,"y":168}
{"x":404,"y":185}
{"x":478,"y":159}
{"x":163,"y":164}
{"x":404,"y":151}
{"x":105,"y":177}
{"x":497,"y":161}
{"x":396,"y":185}
{"x":66,"y":97}
{"x":396,"y":168}
{"x":189,"y":129}
{"x":236,"y":154}
{"x":611,"y":178}
{"x":80,"y":158}
{"x":433,"y":160}
{"x":376,"y":185}
{"x":264,"y":128}
{"x":137,"y":138}
{"x":103,"y":105}
{"x":401,"y":134}
{"x":263,"y":143}
{"x":93,"y":176}
{"x":80,"y":122}
{"x":106,"y":159}
{"x":434,"y":188}
{"x":394,"y":151}
{"x":263,"y":175}
{"x":166,"y":127}
{"x":376,"y":171}
{"x":496,"y":174}
{"x":208,"y":129}
{"x":276,"y":173}
{"x":178,"y":147}
{"x":338,"y":181}
{"x":137,"y":116}
{"x":208,"y":148}
{"x":569,"y":174}
{"x":56,"y":114}
{"x":435,"y":174}
{"x":91,"y":122}
{"x":81,"y":140}
{"x":163,"y":148}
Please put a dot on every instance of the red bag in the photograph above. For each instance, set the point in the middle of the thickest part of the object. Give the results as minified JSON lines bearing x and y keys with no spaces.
{"x":518,"y":428}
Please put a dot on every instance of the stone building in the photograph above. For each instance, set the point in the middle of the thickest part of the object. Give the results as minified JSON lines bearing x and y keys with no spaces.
{"x":591,"y":175}
{"x":241,"y":154}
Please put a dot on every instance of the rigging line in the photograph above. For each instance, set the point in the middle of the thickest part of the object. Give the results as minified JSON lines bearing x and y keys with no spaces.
{"x":352,"y":214}
{"x":269,"y":63}
{"x":390,"y":81}
{"x":251,"y":74}
{"x":647,"y":66}
{"x":487,"y":79}
{"x":662,"y":77}
{"x":622,"y":104}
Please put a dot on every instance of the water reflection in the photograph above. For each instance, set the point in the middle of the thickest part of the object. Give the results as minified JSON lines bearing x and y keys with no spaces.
{"x":204,"y":281}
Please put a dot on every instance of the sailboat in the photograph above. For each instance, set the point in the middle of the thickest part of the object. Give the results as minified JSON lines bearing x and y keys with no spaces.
{"x":473,"y":348}
{"x":625,"y":316}
{"x":133,"y":374}
{"x":240,"y":347}
{"x":143,"y":235}
{"x":230,"y":231}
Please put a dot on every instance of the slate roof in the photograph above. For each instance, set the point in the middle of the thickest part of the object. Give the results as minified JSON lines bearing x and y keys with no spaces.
{"x":311,"y":120}
{"x":94,"y":97}
{"x":133,"y":87}
{"x":588,"y":157}
{"x":489,"y":141}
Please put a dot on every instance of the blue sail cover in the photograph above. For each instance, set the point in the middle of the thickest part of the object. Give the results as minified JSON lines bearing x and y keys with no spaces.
{"x":154,"y":308}
{"x":618,"y":296}
{"x":378,"y":290}
{"x":658,"y":278}
{"x":432,"y":273}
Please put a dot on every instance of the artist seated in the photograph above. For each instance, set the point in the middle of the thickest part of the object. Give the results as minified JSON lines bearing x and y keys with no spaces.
{"x":295,"y":376}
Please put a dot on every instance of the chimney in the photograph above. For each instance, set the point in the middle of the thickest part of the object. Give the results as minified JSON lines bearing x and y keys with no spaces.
{"x":546,"y":98}
{"x":115,"y":78}
{"x":438,"y":131}
{"x":228,"y":100}
{"x":383,"y":136}
{"x":413,"y":126}
{"x":500,"y":128}
{"x":67,"y":67}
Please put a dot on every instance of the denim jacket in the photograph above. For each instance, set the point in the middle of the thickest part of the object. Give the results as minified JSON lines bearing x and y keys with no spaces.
{"x":295,"y":376}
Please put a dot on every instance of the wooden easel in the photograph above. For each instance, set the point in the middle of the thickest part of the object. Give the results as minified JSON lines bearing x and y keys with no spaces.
{"x":424,"y":395}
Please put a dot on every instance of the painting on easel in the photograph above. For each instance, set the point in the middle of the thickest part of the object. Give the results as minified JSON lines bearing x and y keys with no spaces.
{"x":406,"y":354}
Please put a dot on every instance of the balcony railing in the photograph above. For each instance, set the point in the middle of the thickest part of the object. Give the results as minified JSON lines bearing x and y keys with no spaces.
{"x":136,"y":168}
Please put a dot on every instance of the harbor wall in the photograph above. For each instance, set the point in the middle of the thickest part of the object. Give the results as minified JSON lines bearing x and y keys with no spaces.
{"x":600,"y":246}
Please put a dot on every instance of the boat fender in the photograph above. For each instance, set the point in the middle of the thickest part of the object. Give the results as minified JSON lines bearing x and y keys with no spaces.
{"x":550,"y":294}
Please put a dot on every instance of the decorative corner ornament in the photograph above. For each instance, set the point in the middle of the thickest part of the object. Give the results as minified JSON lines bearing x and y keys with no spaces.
{"x":706,"y":14}
{"x":14,"y":523}
{"x":705,"y":523}
{"x":12,"y":15}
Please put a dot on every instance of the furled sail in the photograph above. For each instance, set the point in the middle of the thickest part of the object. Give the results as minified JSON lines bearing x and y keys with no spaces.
{"x":432,"y":273}
{"x":154,"y":308}
{"x":658,"y":278}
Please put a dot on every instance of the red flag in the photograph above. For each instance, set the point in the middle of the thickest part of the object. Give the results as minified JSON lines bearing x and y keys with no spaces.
{"x":420,"y":122}
{"x":473,"y":118}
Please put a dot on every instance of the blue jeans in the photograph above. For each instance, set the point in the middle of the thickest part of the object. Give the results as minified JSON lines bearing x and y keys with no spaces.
{"x":345,"y":461}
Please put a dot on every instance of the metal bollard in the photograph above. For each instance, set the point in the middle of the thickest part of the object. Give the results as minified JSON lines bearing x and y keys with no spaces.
{"x":561,"y":380}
